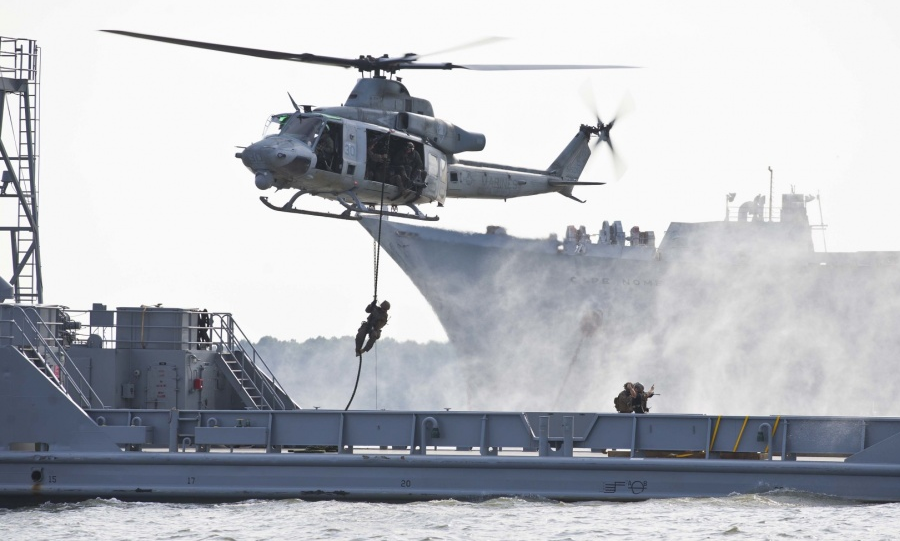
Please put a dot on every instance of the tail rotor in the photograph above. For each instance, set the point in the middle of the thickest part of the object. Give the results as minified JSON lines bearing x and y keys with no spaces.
{"x":602,"y":130}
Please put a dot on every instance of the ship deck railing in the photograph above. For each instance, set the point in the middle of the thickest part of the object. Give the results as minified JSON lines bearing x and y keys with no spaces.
{"x":184,"y":332}
{"x":230,"y":333}
{"x":24,"y":328}
{"x":45,"y":333}
{"x":539,"y":434}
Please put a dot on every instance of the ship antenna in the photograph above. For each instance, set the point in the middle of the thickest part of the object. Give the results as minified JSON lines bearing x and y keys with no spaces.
{"x":822,"y":225}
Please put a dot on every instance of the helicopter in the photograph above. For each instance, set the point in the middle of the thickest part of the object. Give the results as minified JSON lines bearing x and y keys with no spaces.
{"x":385,"y":147}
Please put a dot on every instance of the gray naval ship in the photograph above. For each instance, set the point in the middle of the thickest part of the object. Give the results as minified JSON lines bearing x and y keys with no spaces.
{"x":732,"y":316}
{"x":163,"y":404}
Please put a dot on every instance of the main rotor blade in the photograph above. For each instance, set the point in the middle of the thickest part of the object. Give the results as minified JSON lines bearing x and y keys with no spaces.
{"x":469,"y":45}
{"x":261,"y":53}
{"x":363,"y":63}
{"x":514,"y":67}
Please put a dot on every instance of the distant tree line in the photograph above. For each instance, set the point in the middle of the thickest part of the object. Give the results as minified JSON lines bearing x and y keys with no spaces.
{"x":321,"y":372}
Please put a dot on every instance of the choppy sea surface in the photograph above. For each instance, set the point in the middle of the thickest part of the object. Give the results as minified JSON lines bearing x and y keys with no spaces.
{"x":780,"y":515}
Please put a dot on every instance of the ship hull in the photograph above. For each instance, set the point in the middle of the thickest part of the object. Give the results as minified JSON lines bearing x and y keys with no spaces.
{"x":186,"y":477}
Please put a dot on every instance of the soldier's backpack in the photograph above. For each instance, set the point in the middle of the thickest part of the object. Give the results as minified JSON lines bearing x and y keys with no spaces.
{"x":623,"y":402}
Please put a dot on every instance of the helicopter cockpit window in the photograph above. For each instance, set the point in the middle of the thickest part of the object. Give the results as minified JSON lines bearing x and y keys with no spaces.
{"x":275,"y":123}
{"x":305,"y":128}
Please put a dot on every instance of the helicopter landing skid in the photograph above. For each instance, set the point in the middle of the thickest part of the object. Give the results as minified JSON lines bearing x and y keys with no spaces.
{"x":288,"y":207}
{"x":419,"y":215}
{"x":352,"y":209}
{"x":358,"y":207}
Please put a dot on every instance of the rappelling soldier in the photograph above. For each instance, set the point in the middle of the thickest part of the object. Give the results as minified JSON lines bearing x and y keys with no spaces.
{"x":378,"y":317}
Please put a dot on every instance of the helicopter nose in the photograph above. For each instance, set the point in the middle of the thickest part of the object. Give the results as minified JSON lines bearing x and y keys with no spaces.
{"x":276,"y":157}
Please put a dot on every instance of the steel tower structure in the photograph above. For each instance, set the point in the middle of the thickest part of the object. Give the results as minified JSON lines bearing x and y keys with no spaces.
{"x":19,"y":150}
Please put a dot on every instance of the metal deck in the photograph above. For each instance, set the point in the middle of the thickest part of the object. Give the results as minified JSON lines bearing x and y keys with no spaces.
{"x":57,"y":443}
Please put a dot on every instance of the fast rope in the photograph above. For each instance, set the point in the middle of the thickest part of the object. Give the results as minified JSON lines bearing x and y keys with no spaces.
{"x":358,"y":371}
{"x":377,"y":258}
{"x":377,"y":246}
{"x":565,"y":380}
{"x":590,"y":322}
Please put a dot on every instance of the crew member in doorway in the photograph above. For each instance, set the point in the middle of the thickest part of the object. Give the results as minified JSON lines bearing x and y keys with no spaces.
{"x":407,"y":168}
{"x":639,"y":400}
{"x":377,"y":160}
{"x":371,"y":327}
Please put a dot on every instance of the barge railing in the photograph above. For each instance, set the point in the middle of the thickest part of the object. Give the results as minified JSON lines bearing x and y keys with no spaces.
{"x":23,"y":327}
{"x":556,"y":434}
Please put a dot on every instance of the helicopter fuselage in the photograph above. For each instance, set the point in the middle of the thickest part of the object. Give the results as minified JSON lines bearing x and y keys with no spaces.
{"x":329,"y":156}
{"x":332,"y":157}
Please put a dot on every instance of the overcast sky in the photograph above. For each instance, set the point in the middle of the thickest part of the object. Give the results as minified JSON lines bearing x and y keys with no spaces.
{"x":143,"y":201}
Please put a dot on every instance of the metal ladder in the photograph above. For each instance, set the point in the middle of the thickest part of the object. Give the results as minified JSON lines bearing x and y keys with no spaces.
{"x":251,"y":374}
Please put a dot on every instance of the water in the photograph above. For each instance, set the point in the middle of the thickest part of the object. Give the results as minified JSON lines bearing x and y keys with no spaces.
{"x":781,"y":515}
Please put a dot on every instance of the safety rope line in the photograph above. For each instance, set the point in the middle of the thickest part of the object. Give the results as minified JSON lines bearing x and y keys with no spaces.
{"x":376,"y":378}
{"x":741,"y":433}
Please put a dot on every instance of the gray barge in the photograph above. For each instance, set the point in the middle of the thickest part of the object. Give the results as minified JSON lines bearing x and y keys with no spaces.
{"x":151,"y":404}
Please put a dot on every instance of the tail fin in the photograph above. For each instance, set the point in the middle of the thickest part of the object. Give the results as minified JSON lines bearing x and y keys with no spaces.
{"x":570,"y":163}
